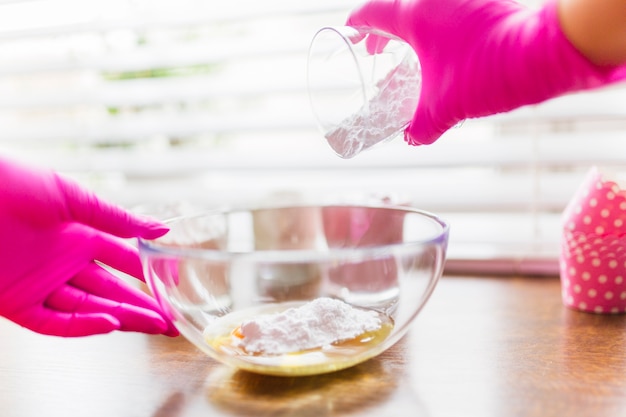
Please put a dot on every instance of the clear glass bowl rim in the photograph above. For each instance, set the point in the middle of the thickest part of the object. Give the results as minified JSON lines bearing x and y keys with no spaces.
{"x":155,"y":248}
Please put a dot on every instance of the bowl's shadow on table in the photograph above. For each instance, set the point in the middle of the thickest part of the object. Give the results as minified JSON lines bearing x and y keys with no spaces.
{"x":368,"y":385}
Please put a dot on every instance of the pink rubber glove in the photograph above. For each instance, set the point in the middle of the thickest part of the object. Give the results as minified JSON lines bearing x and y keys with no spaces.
{"x":481,"y":57}
{"x":54,"y":239}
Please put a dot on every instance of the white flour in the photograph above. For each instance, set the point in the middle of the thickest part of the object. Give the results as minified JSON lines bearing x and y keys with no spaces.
{"x":384,"y":116}
{"x":318,"y":323}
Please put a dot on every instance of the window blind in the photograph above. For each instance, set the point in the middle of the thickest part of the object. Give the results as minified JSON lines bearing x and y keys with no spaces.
{"x":163,"y":103}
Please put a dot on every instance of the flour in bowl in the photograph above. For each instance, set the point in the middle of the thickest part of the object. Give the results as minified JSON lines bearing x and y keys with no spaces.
{"x":318,"y":323}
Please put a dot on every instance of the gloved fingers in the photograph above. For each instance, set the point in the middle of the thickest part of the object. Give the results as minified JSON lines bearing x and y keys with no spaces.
{"x":430,"y":120}
{"x":421,"y":129}
{"x":386,"y":16}
{"x":99,"y":282}
{"x":375,"y":44}
{"x":130,"y":317}
{"x":87,"y":208}
{"x":117,"y":253}
{"x":94,"y":279}
{"x":44,"y":320}
{"x":377,"y":14}
{"x":120,"y":255}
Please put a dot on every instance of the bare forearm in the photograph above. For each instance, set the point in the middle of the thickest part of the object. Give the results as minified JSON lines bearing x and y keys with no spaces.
{"x":597,"y":28}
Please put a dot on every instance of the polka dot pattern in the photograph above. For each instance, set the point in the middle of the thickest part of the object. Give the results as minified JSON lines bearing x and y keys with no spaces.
{"x":598,"y":207}
{"x":593,"y":272}
{"x":593,"y":248}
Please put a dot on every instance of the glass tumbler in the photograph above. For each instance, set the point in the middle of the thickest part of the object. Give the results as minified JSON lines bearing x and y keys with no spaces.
{"x":361,"y":98}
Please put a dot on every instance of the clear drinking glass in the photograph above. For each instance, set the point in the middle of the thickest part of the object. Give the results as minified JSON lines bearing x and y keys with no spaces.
{"x":361,"y":98}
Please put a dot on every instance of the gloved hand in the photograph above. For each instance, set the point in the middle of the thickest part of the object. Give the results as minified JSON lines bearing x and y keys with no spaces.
{"x":55,"y":238}
{"x":481,"y":57}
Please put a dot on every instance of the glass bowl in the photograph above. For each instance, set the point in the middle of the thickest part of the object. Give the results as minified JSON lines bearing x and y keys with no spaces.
{"x":219,"y":269}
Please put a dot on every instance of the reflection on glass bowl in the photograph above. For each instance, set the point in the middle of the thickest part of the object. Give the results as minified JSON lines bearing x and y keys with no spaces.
{"x":216,"y":269}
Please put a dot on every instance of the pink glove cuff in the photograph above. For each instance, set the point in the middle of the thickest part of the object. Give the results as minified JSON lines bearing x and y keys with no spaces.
{"x":556,"y":66}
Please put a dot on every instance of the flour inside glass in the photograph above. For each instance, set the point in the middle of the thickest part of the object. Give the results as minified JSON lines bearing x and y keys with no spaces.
{"x":384,"y":116}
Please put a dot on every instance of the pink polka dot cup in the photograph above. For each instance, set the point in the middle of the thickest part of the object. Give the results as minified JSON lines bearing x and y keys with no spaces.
{"x":593,"y":247}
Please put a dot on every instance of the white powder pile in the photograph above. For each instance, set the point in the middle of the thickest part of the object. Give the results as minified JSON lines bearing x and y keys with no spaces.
{"x":318,"y":323}
{"x":384,"y":116}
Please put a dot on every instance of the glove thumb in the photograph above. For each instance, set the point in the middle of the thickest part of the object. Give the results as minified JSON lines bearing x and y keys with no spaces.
{"x":422,"y":130}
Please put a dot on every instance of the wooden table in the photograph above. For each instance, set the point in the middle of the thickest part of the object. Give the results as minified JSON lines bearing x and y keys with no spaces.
{"x":482,"y":347}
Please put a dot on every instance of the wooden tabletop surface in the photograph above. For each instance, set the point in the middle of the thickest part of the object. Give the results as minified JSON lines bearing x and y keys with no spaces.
{"x":482,"y":347}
